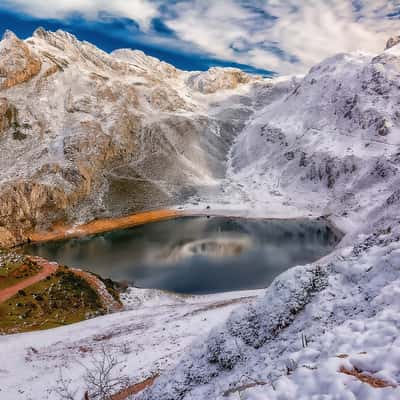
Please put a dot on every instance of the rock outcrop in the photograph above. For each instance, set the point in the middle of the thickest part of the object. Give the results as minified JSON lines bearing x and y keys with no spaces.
{"x":325,"y":144}
{"x":18,"y":64}
{"x":216,"y":79}
{"x":393,"y":41}
{"x":7,"y":114}
{"x":86,"y":134}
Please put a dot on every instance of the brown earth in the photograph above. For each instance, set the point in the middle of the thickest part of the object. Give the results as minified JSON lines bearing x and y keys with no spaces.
{"x":48,"y":268}
{"x":107,"y":300}
{"x":366,"y":378}
{"x":103,"y":225}
{"x":134,"y":389}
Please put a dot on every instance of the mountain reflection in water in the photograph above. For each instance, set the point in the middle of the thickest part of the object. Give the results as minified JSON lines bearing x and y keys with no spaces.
{"x":197,"y":255}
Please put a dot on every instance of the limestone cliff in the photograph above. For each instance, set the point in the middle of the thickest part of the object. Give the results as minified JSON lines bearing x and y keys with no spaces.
{"x":86,"y":134}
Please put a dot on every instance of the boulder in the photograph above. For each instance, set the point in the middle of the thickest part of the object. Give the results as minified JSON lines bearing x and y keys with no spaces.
{"x":393,"y":41}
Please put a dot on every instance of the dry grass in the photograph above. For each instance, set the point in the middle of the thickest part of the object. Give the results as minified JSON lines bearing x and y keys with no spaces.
{"x":109,"y":303}
{"x":134,"y":389}
{"x":14,"y":273}
{"x":366,"y":378}
{"x":60,"y":299}
{"x":39,"y":294}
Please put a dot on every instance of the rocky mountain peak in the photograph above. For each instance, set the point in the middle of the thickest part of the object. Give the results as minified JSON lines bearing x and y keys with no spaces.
{"x":72,"y":113}
{"x":218,"y":79}
{"x":60,"y":39}
{"x":42,"y":33}
{"x":39,"y":32}
{"x":9,"y":35}
{"x":143,"y":61}
{"x":393,"y":41}
{"x":18,"y":64}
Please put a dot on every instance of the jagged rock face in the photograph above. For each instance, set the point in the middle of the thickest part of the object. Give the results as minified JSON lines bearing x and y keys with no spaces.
{"x":18,"y":64}
{"x":7,"y":114}
{"x":393,"y":41}
{"x":337,"y":132}
{"x":216,"y":79}
{"x":24,"y":204}
{"x":86,"y":134}
{"x":146,"y":63}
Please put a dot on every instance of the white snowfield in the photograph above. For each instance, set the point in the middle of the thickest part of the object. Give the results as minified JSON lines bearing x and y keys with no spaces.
{"x":325,"y":144}
{"x":329,"y":146}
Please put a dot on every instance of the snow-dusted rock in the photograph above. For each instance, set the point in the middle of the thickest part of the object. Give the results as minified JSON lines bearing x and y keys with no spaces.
{"x":102,"y":135}
{"x":95,"y":134}
{"x":17,"y":63}
{"x":216,"y":79}
{"x":146,"y":63}
{"x":393,"y":41}
{"x":329,"y":145}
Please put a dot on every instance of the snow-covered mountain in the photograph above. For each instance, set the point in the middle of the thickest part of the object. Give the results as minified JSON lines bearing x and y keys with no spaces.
{"x":87,"y":134}
{"x":330,"y":146}
{"x":78,"y":126}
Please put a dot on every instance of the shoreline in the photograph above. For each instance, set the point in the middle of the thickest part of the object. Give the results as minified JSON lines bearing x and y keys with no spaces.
{"x":105,"y":225}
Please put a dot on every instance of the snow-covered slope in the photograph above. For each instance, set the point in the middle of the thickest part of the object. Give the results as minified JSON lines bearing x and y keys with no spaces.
{"x":327,"y":144}
{"x":329,"y":147}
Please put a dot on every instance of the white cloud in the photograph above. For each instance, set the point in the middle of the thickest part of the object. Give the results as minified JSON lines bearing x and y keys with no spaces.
{"x":303,"y":33}
{"x":318,"y":29}
{"x":141,"y":11}
{"x":306,"y":30}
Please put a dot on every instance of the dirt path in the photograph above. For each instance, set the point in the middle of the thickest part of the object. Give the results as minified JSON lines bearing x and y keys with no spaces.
{"x":220,"y":304}
{"x":103,"y":225}
{"x":367,"y":378}
{"x":47,"y":268}
{"x":134,"y":389}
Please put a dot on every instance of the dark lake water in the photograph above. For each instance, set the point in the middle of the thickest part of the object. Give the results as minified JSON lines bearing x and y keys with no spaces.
{"x":197,"y":255}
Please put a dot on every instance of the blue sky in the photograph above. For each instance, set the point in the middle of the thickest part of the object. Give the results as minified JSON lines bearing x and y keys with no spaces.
{"x":284,"y":36}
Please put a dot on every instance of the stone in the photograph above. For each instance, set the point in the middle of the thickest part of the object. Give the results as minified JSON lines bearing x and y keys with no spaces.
{"x":98,"y":134}
{"x":393,"y":41}
{"x":18,"y":63}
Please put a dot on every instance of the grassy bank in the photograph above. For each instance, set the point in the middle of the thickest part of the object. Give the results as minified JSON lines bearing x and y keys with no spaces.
{"x":61,"y":298}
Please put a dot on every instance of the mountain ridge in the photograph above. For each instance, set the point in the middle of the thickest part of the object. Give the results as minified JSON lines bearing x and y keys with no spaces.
{"x":90,"y":135}
{"x":72,"y":114}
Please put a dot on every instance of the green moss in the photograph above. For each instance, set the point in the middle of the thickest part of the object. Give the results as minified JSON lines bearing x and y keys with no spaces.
{"x":62,"y":299}
{"x":12,"y":273}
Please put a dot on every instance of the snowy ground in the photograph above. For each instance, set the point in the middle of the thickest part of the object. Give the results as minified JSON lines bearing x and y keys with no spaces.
{"x":148,"y":338}
{"x":329,"y":146}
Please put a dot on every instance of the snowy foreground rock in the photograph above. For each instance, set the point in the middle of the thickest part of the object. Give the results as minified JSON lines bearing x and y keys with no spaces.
{"x":328,"y":147}
{"x":326,"y":144}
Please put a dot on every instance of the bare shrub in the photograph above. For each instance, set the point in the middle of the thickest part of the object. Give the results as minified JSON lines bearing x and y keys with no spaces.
{"x":103,"y":378}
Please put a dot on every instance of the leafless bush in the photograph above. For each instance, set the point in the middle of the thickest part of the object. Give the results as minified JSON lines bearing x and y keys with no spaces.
{"x":105,"y":376}
{"x":125,"y":348}
{"x":63,"y":389}
{"x":102,"y":379}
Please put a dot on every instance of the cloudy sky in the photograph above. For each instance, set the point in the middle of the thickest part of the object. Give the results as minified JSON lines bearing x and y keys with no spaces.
{"x":283,"y":36}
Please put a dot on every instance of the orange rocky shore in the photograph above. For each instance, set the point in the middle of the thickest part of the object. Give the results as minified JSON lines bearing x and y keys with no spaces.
{"x":103,"y":225}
